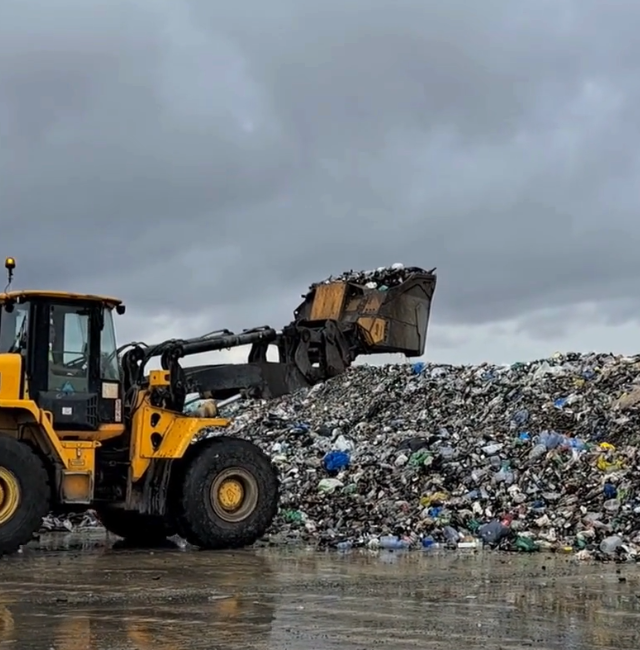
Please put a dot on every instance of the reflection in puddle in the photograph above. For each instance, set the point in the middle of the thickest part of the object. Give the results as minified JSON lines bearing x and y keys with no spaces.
{"x":92,"y":596}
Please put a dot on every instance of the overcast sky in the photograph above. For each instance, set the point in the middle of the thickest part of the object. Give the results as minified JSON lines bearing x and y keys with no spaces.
{"x":206,"y":162}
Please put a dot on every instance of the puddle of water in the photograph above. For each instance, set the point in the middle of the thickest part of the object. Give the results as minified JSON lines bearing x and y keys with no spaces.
{"x":78,"y":593}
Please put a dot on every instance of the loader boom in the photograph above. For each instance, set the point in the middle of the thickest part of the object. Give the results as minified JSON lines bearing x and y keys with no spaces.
{"x":337,"y":322}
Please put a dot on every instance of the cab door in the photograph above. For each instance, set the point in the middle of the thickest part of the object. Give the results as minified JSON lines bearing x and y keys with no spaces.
{"x":65,"y":376}
{"x":73,"y":368}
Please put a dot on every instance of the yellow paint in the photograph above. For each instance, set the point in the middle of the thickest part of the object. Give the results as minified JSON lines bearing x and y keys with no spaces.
{"x":79,"y":455}
{"x":10,"y":374}
{"x":175,"y":430}
{"x":231,"y":494}
{"x":104,"y":432}
{"x":77,"y":479}
{"x":159,"y":378}
{"x":374,"y":329}
{"x":328,"y":301}
{"x":77,"y":487}
{"x":9,"y":495}
{"x":25,"y":410}
{"x":20,"y":296}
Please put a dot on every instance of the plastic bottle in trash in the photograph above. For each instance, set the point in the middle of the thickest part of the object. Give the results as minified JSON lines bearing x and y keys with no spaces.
{"x":505,"y":475}
{"x":392,"y":543}
{"x":344,"y":546}
{"x":551,"y":439}
{"x":610,"y":545}
{"x":451,"y":535}
{"x":539,"y":450}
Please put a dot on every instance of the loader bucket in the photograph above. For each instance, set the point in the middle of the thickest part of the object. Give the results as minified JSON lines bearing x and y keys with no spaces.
{"x":389,"y":321}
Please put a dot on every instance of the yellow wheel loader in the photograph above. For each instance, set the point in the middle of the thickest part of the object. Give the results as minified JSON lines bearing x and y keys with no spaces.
{"x":83,"y":425}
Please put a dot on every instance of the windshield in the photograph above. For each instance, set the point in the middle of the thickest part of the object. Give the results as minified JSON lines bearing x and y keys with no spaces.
{"x":109,"y":363}
{"x":14,"y":328}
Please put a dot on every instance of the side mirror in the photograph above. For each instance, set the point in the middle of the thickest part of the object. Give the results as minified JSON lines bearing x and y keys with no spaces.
{"x":120,"y":309}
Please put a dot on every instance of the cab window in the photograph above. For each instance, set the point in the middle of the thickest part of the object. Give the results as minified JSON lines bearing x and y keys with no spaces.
{"x":69,"y":349}
{"x":109,"y":363}
{"x":14,"y":326}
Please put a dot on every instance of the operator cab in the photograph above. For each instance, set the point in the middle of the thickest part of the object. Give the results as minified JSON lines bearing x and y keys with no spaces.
{"x":70,"y":361}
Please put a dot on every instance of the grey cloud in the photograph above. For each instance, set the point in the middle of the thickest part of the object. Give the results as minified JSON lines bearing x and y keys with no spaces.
{"x":198,"y":156}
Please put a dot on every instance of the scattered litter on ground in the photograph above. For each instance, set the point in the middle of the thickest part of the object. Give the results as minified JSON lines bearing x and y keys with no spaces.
{"x":73,"y":521}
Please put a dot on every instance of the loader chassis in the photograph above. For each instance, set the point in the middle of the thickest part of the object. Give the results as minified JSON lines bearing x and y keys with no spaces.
{"x":71,"y":436}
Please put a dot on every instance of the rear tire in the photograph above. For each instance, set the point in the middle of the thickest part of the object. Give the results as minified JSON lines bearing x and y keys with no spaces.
{"x":135,"y":528}
{"x":224,"y":470}
{"x":25,"y":494}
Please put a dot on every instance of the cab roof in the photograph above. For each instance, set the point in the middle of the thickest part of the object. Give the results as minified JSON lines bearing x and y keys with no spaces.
{"x":20,"y":296}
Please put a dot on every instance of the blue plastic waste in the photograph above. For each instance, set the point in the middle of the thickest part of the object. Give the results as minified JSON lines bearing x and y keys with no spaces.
{"x":335,"y":461}
{"x":553,"y":439}
{"x":493,"y":532}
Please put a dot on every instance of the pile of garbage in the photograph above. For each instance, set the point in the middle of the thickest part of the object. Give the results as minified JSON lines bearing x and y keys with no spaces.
{"x":532,"y":456}
{"x":70,"y":522}
{"x":383,"y":278}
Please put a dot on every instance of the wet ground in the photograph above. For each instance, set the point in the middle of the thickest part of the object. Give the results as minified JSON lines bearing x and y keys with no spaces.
{"x":91,"y":596}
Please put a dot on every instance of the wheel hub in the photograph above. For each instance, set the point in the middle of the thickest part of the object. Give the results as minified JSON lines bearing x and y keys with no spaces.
{"x":234,"y":494}
{"x":230,"y":494}
{"x":9,"y":495}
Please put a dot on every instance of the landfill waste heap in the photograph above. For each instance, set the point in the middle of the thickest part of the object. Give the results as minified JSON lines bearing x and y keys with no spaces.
{"x":533,"y":456}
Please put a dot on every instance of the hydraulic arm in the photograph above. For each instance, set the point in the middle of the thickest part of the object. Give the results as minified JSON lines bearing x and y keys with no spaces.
{"x":337,"y":322}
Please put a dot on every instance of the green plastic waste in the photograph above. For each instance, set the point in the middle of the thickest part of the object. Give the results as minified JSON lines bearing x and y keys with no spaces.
{"x":420,"y":458}
{"x":526,"y":545}
{"x":293,"y":516}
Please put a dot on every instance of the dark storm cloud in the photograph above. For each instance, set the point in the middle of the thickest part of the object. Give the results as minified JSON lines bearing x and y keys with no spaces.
{"x":192,"y":156}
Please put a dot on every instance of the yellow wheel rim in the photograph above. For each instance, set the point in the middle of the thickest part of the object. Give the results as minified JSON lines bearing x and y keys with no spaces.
{"x":230,"y":494}
{"x":9,"y":495}
{"x":234,"y":494}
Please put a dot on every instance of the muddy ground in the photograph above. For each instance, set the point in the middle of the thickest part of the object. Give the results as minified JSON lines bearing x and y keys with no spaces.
{"x":82,"y":593}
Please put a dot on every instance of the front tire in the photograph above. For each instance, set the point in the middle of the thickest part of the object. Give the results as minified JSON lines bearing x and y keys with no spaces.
{"x":25,"y":494}
{"x":228,"y":496}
